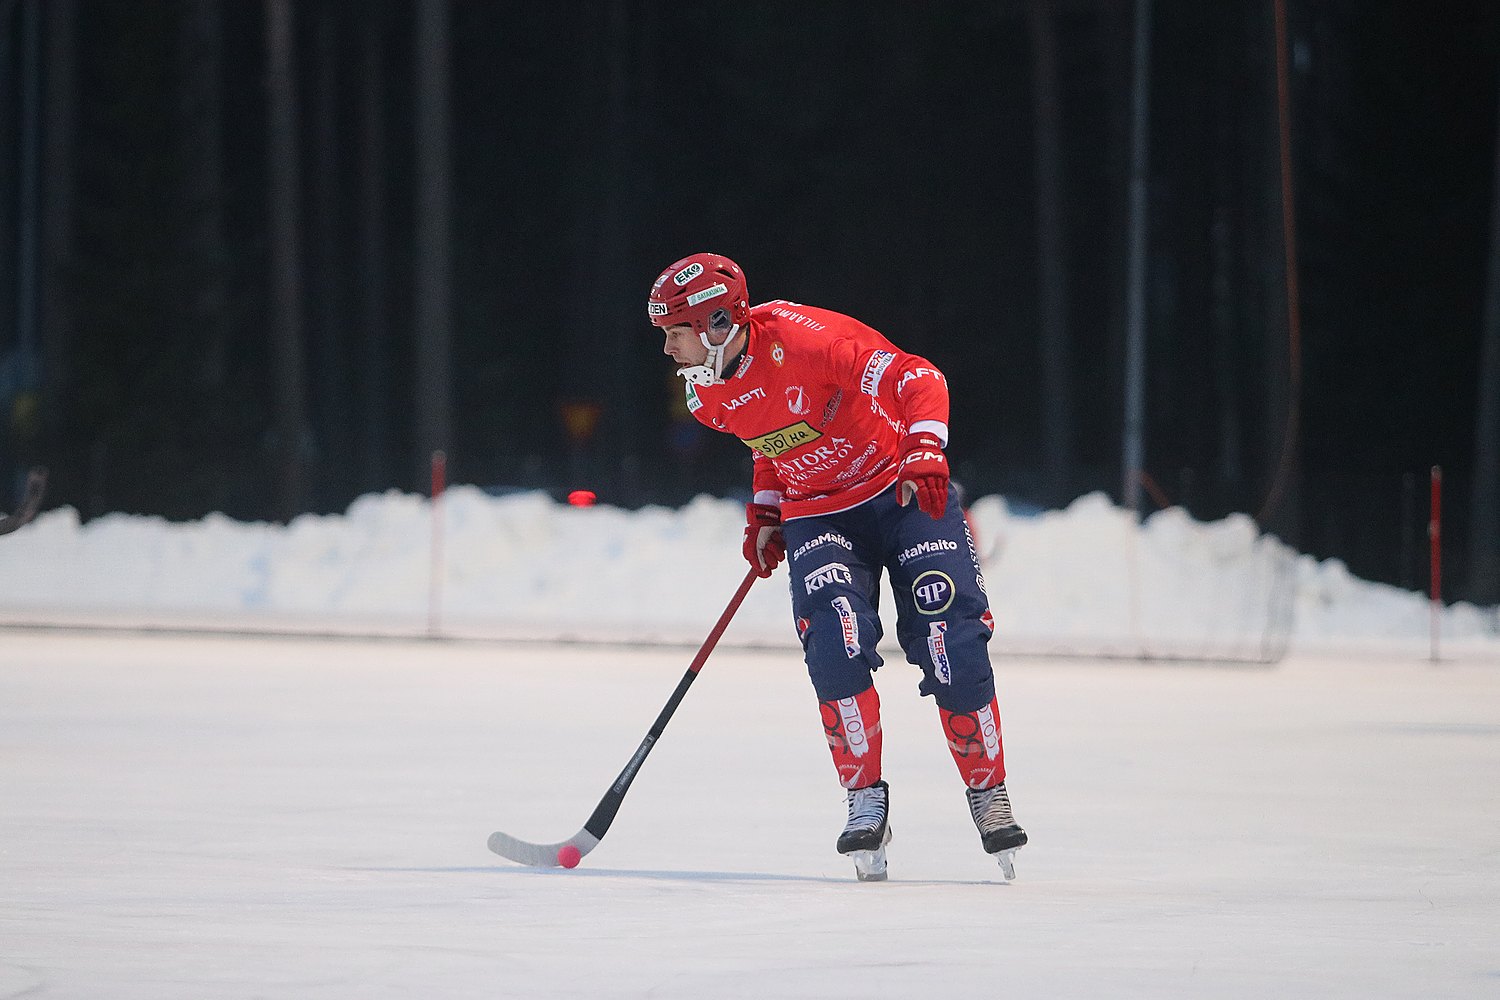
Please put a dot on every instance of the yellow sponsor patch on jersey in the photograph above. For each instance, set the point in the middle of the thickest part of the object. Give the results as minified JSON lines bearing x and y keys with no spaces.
{"x":782,"y":441}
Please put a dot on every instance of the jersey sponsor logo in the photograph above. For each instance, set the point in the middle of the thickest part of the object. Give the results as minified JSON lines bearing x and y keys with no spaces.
{"x":856,"y":740}
{"x":827,"y":575}
{"x":779,"y":442}
{"x":937,"y":649}
{"x":971,"y":734}
{"x":687,"y":274}
{"x":989,"y":620}
{"x":694,"y":404}
{"x":796,"y":400}
{"x":832,"y":407}
{"x":744,"y":366}
{"x":933,"y":591}
{"x":917,"y":373}
{"x":778,"y":353}
{"x":879,"y":411}
{"x":798,"y":318}
{"x":859,"y":463}
{"x":848,"y":625}
{"x":928,"y":548}
{"x":711,"y":292}
{"x":803,"y":624}
{"x":989,"y":729}
{"x":656,"y":308}
{"x":739,"y":401}
{"x":826,"y":538}
{"x":869,"y":382}
{"x":974,"y":557}
{"x":819,"y":459}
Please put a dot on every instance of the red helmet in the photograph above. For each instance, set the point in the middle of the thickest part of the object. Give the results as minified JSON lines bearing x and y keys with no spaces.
{"x":706,"y":290}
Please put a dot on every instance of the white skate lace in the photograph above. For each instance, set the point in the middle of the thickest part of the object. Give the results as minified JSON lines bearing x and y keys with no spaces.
{"x":991,"y":808}
{"x":866,"y":808}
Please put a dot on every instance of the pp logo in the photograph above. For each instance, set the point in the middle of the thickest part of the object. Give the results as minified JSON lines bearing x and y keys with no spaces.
{"x":933,"y":591}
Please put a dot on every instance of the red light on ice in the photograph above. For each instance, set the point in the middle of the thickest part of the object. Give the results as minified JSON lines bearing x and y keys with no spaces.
{"x":582,"y":498}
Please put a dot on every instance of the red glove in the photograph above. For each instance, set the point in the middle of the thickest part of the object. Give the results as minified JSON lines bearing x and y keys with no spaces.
{"x":764,"y":546}
{"x":924,"y":474}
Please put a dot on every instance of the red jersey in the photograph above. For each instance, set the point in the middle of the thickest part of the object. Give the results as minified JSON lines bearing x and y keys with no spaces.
{"x":823,"y":401}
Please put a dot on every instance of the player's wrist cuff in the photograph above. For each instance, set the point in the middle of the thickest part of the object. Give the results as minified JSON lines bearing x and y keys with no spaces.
{"x":937,"y":427}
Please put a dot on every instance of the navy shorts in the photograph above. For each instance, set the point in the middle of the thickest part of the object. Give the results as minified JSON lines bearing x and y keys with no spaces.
{"x":942,"y":614}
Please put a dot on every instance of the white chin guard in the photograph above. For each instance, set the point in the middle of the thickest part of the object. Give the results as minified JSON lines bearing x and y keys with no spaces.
{"x":713,"y":366}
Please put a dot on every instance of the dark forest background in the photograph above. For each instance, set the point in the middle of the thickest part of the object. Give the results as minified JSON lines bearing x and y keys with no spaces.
{"x":261,"y":257}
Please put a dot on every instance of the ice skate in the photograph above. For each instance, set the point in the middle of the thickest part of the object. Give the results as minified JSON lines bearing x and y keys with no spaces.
{"x":998,"y":830}
{"x":866,"y":832}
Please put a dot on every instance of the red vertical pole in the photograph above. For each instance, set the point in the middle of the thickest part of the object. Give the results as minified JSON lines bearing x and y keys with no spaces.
{"x":1435,"y":539}
{"x":435,"y":574}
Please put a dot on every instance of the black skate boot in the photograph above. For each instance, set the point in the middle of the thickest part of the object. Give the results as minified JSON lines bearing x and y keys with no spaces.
{"x":867,"y":831}
{"x":998,"y":830}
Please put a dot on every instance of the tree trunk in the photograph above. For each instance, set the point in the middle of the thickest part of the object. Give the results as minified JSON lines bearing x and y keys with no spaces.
{"x":373,"y":255}
{"x":59,"y":126}
{"x":330,"y":409}
{"x":285,"y":240}
{"x":1052,"y":263}
{"x":1484,"y":535}
{"x":434,"y":277}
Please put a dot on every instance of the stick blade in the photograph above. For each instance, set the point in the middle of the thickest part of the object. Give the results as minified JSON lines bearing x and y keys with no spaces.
{"x":524,"y":852}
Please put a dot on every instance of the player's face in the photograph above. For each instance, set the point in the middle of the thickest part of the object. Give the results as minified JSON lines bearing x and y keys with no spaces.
{"x":683,"y":345}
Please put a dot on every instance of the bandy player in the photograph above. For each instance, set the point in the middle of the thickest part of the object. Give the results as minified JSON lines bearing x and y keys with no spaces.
{"x":847,"y":432}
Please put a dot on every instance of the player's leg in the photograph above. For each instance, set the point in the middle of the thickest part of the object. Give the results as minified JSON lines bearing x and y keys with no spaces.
{"x":835,"y":576}
{"x":944,"y":625}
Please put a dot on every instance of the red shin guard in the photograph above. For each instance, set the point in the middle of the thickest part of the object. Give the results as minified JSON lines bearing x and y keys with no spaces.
{"x":852,"y":726}
{"x":974,"y":740}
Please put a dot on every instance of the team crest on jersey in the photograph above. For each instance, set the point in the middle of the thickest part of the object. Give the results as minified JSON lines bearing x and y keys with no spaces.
{"x":778,"y":353}
{"x":796,"y":400}
{"x":781,"y":441}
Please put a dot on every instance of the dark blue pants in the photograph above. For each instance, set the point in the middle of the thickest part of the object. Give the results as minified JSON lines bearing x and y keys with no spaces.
{"x":942,"y":613}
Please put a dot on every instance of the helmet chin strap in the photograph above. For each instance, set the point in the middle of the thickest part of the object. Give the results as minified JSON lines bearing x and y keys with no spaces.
{"x":712,"y":368}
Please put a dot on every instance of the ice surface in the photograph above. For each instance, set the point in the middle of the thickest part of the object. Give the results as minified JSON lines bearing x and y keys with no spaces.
{"x":187,"y":815}
{"x":216,"y":817}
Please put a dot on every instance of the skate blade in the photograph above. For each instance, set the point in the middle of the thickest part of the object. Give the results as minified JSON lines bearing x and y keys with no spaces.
{"x":1007,"y":862}
{"x":869,"y":866}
